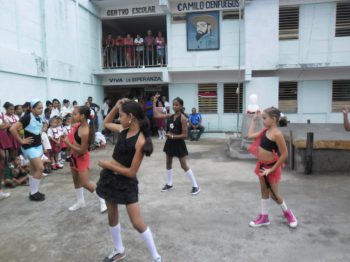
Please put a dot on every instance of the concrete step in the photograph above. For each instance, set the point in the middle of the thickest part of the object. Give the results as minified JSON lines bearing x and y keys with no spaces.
{"x":236,"y":151}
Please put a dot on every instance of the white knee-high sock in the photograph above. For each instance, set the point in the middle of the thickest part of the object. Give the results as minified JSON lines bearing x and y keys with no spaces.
{"x":284,"y":206}
{"x":160,"y":133}
{"x":163,"y":134}
{"x":79,"y":192}
{"x":265,"y":206}
{"x":117,"y":238}
{"x":101,"y":199}
{"x":33,"y":185}
{"x":148,"y":239}
{"x":190,"y":175}
{"x":169,"y":174}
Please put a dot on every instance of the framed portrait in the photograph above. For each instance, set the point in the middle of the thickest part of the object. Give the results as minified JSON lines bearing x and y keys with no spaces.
{"x":203,"y":31}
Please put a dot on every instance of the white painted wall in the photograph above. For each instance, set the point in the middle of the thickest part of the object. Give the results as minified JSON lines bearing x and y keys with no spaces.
{"x":49,"y":49}
{"x":317,"y":42}
{"x":261,"y":30}
{"x":315,"y":103}
{"x":226,"y":56}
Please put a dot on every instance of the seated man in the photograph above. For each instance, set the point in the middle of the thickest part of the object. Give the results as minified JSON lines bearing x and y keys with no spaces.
{"x":195,"y":125}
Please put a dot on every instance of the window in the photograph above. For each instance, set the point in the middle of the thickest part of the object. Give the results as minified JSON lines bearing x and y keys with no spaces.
{"x":231,"y":15}
{"x":340,"y":94}
{"x":289,"y":22}
{"x":207,"y":98}
{"x":233,"y":102}
{"x":342,"y":27}
{"x":288,"y":97}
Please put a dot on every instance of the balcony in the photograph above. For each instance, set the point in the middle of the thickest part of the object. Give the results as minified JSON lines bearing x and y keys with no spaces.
{"x":134,"y":56}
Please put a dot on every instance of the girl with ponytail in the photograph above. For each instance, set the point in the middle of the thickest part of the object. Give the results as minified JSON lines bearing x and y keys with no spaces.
{"x":79,"y":141}
{"x":118,"y":183}
{"x":175,"y":145}
{"x":271,"y":151}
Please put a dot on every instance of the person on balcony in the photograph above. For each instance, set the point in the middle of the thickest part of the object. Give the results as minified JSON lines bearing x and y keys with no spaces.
{"x":108,"y":52}
{"x":149,"y":42}
{"x":119,"y":51}
{"x":129,"y":43}
{"x":139,"y":43}
{"x":160,"y":43}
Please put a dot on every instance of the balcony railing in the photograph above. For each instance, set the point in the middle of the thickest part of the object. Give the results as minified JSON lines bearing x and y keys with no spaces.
{"x":134,"y":56}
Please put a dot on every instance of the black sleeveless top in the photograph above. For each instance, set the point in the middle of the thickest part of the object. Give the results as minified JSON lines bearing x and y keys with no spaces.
{"x":77,"y":137}
{"x":124,"y":150}
{"x":267,"y":144}
{"x":175,"y":126}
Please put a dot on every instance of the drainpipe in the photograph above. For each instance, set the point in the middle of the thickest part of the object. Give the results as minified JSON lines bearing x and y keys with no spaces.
{"x":44,"y":48}
{"x":241,"y":3}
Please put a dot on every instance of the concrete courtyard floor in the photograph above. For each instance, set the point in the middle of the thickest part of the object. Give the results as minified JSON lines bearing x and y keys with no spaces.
{"x":210,"y":227}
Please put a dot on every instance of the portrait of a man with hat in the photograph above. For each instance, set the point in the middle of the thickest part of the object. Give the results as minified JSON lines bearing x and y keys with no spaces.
{"x":203,"y":31}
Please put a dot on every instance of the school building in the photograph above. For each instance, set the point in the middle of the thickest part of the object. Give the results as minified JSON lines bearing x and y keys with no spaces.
{"x":294,"y":54}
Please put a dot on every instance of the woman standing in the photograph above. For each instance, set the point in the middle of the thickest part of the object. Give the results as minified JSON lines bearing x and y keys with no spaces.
{"x":118,"y":183}
{"x":175,"y":145}
{"x":79,"y":141}
{"x":31,"y":146}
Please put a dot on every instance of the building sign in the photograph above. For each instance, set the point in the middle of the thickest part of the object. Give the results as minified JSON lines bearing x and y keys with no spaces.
{"x":131,"y":11}
{"x":211,"y":5}
{"x":132,"y":79}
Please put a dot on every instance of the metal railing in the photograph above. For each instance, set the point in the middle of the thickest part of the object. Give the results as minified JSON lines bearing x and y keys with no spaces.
{"x":134,"y":56}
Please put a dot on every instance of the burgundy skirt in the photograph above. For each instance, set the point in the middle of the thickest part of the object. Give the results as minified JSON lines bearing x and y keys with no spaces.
{"x":56,"y":148}
{"x":160,"y":123}
{"x":5,"y":140}
{"x":15,"y":143}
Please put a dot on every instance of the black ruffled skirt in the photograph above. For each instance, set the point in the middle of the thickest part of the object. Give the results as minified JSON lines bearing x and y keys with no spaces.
{"x":175,"y":148}
{"x":118,"y":189}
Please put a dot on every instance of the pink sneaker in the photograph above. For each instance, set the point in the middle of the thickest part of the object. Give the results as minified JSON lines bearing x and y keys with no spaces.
{"x":292,"y":220}
{"x":261,"y":220}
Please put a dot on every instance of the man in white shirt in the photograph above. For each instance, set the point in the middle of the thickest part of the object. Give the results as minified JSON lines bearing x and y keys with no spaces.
{"x":105,"y":107}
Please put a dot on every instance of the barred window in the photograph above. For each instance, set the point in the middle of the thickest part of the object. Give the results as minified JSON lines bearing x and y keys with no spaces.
{"x":289,"y":22}
{"x":288,"y":97}
{"x":340,"y":94}
{"x":342,"y":27}
{"x":207,"y":98}
{"x":233,"y":98}
{"x":232,"y":14}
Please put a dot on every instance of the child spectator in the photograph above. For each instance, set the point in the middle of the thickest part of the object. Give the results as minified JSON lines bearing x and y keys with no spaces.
{"x":16,"y":174}
{"x":55,"y":140}
{"x":100,"y":140}
{"x":46,"y":147}
{"x":61,"y":155}
{"x":67,"y":127}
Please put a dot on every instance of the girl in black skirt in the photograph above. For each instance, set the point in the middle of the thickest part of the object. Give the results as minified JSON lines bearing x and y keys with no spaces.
{"x":175,"y":144}
{"x":118,"y":182}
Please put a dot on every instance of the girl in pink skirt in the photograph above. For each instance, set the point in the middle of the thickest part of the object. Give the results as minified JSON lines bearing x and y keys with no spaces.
{"x":267,"y":143}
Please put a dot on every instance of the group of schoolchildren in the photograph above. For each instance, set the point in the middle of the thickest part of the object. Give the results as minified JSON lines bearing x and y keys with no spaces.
{"x":57,"y":124}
